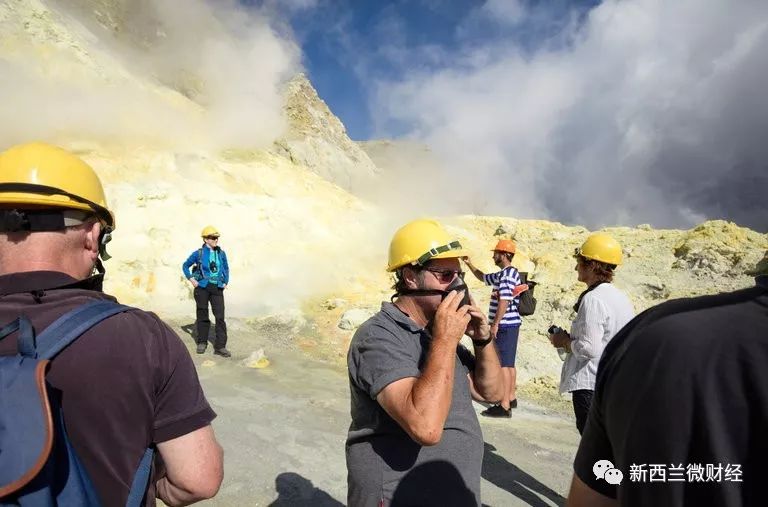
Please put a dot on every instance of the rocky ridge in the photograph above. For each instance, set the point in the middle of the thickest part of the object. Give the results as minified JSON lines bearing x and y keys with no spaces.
{"x":302,"y":219}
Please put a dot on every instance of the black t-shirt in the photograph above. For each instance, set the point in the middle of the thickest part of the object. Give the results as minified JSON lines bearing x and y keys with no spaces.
{"x":681,"y":405}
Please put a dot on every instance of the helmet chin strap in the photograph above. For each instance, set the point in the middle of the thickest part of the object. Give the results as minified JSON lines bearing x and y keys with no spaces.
{"x":420,"y":292}
{"x":457,"y":285}
{"x":97,"y":280}
{"x":104,"y":238}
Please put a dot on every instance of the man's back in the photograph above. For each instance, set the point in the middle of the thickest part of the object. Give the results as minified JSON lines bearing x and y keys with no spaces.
{"x":125,"y":384}
{"x":684,"y":386}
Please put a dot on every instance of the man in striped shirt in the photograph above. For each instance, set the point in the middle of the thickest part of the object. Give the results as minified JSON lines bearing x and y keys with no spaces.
{"x":505,"y":319}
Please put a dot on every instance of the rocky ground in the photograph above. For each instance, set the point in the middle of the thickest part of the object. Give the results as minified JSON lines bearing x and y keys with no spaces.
{"x":283,"y":429}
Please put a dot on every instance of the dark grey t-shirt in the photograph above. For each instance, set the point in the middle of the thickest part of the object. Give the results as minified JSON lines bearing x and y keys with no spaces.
{"x":385,"y":466}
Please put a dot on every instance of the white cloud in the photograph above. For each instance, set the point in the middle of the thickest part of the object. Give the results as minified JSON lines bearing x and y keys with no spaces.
{"x":504,"y":11}
{"x":109,"y":72}
{"x":653,"y":111}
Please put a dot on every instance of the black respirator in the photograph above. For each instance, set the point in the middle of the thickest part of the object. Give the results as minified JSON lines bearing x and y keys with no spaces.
{"x":457,"y":284}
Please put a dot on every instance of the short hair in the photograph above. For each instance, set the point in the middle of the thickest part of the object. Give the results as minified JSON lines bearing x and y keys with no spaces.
{"x":602,"y":270}
{"x":399,"y":285}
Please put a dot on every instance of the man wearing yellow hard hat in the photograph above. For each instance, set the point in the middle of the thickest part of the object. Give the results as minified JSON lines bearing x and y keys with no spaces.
{"x":207,"y":270}
{"x":121,"y":381}
{"x":601,"y":311}
{"x":414,"y":437}
{"x":505,"y":319}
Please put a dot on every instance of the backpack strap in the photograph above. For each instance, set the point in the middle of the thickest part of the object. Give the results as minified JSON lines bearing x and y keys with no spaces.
{"x":65,"y":330}
{"x":71,"y":325}
{"x":26,"y":340}
{"x":140,"y":480}
{"x":200,"y":263}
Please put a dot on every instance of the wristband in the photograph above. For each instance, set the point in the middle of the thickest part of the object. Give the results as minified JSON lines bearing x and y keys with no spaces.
{"x":482,"y":343}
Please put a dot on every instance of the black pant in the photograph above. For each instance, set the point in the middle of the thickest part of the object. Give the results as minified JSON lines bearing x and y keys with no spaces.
{"x":582,"y":399}
{"x":216,"y":296}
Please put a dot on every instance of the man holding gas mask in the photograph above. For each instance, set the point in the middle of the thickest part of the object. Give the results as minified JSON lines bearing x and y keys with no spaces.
{"x":410,"y":381}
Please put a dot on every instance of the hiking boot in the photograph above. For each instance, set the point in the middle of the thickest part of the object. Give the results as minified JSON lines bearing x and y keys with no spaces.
{"x":497,"y":411}
{"x":201,"y":348}
{"x":222,"y":353}
{"x":513,"y":403}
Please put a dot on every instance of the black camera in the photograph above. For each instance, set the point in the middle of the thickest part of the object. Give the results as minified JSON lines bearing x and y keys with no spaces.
{"x":553,"y":329}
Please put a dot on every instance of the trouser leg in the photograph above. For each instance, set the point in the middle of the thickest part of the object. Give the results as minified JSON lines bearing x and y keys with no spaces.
{"x":217,"y":304}
{"x":582,"y":399}
{"x":203,"y":322}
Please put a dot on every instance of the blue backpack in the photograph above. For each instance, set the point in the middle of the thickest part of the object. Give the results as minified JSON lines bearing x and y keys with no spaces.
{"x":38,"y":465}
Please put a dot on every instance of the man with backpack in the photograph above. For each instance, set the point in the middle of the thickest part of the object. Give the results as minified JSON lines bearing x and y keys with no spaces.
{"x":207,"y":270}
{"x":100,"y":403}
{"x":505,"y":319}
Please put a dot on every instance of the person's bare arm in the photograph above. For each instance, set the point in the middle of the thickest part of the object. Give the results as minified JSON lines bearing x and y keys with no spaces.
{"x":486,"y":378}
{"x":420,"y":405}
{"x":478,"y":274}
{"x":582,"y":495}
{"x":500,"y":312}
{"x":194,"y":468}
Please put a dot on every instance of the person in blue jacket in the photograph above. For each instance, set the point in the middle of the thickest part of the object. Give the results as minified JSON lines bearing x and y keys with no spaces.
{"x":209,"y":275}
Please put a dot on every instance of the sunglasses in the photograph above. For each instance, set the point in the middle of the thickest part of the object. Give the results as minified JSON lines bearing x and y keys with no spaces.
{"x":211,"y":237}
{"x":445,"y":275}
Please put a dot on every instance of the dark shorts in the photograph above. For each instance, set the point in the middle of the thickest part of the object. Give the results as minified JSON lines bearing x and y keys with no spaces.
{"x":506,"y":345}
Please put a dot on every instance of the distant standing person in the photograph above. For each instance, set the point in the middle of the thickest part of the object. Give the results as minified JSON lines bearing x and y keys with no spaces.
{"x":505,"y":319}
{"x":209,"y":277}
{"x":601,"y":311}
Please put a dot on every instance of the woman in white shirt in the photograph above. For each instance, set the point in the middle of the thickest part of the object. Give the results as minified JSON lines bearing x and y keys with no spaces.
{"x":601,"y":311}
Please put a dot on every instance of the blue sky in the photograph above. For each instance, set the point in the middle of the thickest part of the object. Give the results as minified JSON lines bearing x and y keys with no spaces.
{"x":651,"y":111}
{"x":595,"y":113}
{"x":347,"y":45}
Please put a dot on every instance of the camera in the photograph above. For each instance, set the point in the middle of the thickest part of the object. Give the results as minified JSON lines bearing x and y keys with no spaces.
{"x":553,"y":329}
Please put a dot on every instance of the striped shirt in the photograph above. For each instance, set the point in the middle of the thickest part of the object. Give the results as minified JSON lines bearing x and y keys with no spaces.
{"x":504,"y":282}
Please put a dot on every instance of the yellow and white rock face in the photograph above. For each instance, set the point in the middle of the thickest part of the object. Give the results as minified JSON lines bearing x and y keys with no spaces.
{"x":303,"y":248}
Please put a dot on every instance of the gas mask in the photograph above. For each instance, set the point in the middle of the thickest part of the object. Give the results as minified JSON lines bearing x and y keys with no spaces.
{"x":457,"y":284}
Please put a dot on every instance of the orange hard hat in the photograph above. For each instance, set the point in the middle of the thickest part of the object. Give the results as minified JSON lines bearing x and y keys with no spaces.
{"x":505,"y":245}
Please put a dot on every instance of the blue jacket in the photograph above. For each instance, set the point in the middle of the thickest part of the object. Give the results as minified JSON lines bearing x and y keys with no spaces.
{"x":202,"y":278}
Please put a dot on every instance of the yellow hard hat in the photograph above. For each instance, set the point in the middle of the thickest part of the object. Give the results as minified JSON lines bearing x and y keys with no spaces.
{"x":420,"y":241}
{"x":601,"y":247}
{"x":210,"y":230}
{"x":39,"y":174}
{"x":505,"y":245}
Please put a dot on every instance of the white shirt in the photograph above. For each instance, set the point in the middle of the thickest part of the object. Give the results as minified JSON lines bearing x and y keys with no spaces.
{"x":603,"y":312}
